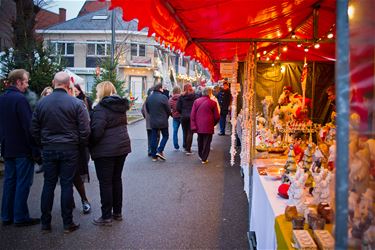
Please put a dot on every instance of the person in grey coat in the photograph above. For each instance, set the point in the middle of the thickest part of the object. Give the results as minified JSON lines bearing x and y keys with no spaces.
{"x":158,"y":108}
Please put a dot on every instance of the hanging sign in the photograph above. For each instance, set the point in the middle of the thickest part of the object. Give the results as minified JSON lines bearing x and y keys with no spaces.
{"x":226,"y":70}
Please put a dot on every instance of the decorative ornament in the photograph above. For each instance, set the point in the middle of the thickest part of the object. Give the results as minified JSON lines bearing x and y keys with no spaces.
{"x":234,"y":93}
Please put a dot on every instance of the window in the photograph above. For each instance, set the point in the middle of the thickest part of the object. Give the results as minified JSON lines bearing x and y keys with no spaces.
{"x":62,"y":48}
{"x":64,"y":51}
{"x":99,"y":49}
{"x":137,"y":49}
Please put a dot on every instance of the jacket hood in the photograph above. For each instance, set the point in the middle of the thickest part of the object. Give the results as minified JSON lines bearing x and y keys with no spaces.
{"x":189,"y":96}
{"x":115,"y":103}
{"x":175,"y":97}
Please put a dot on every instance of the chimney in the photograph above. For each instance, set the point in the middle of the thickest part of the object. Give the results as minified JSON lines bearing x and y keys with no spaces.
{"x":62,"y":15}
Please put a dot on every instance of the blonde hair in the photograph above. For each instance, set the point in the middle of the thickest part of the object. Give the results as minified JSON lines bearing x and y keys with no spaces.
{"x":104,"y":89}
{"x":45,"y":91}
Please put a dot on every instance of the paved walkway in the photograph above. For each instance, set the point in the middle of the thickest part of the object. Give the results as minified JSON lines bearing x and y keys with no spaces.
{"x":177,"y":204}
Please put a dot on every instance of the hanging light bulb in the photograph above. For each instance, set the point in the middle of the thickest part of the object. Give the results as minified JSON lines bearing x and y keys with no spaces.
{"x":293,"y":35}
{"x":277,"y":58}
{"x":285,"y":48}
{"x":306,"y":49}
{"x":273,"y":64}
{"x":330,"y":35}
{"x":316,"y":45}
{"x":299,"y":45}
{"x":258,"y":54}
{"x":267,"y":58}
{"x":282,"y":68}
{"x":264,"y":52}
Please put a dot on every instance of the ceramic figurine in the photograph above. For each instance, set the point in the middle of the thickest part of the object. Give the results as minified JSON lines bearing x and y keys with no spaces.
{"x":290,"y":165}
{"x":296,"y":191}
{"x":325,"y":188}
{"x":307,"y":162}
{"x":318,"y":177}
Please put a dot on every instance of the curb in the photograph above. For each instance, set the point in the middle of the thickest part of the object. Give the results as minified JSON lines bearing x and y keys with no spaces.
{"x":136,"y":120}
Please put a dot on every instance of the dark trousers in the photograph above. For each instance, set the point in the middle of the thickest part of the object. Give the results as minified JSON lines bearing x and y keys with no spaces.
{"x":109,"y":171}
{"x":187,"y":133}
{"x":63,"y":164}
{"x":204,"y":145}
{"x":149,"y":132}
{"x":154,"y":140}
{"x":18,"y":177}
{"x":223,"y":120}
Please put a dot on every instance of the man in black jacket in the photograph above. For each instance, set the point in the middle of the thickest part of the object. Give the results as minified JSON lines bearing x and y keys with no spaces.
{"x":60,"y":124}
{"x":18,"y":150}
{"x":224,"y":98}
{"x":158,"y":108}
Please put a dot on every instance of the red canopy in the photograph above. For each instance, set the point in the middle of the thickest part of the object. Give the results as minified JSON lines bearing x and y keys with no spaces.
{"x":215,"y":30}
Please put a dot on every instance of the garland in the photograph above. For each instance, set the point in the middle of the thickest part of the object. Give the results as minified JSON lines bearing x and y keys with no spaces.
{"x":234,"y":93}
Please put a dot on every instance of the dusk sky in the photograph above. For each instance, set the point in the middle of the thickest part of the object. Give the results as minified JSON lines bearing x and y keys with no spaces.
{"x":72,"y":7}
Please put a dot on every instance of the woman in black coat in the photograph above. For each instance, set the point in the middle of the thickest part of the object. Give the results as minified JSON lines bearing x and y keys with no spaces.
{"x":109,"y":146}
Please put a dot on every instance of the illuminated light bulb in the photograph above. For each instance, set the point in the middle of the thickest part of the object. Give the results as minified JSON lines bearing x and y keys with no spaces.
{"x":306,"y":49}
{"x":277,"y":58}
{"x":293,"y":35}
{"x":264,"y":52}
{"x":299,"y":45}
{"x":330,"y":35}
{"x":289,"y":29}
{"x":351,"y":11}
{"x":285,"y":48}
{"x":258,"y":54}
{"x":282,"y":69}
{"x":267,"y":58}
{"x":273,"y":64}
{"x":317,"y":46}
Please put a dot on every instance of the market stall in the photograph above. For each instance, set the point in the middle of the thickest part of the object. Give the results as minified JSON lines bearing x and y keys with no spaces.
{"x":296,"y":115}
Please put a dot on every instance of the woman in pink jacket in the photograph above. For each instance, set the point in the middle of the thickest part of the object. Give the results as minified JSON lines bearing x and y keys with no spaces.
{"x":204,"y":116}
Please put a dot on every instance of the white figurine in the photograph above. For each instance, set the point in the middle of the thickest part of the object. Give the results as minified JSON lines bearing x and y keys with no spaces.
{"x":296,"y":190}
{"x":324,"y":186}
{"x":318,"y":177}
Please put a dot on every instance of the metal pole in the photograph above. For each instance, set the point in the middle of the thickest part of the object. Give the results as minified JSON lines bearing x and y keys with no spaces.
{"x":342,"y":119}
{"x":113,"y":40}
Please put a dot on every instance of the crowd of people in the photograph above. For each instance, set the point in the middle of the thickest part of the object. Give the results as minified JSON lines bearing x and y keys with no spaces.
{"x":64,"y":128}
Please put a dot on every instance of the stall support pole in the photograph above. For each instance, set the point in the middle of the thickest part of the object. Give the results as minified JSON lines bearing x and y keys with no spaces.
{"x":342,"y":119}
{"x":313,"y":83}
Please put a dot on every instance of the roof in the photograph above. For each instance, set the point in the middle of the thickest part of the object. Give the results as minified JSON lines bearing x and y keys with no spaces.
{"x":86,"y":22}
{"x":92,"y":6}
{"x":216,"y":30}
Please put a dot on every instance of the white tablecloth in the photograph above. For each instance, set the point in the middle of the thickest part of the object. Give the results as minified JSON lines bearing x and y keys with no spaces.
{"x":266,"y":206}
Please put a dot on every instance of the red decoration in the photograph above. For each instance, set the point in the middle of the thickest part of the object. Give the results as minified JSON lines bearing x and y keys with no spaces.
{"x":283,"y":190}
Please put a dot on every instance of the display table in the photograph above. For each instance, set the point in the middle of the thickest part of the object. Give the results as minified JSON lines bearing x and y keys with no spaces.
{"x":266,"y":205}
{"x":284,"y":228}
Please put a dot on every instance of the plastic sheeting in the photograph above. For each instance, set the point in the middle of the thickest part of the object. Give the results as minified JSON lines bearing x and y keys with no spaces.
{"x":180,"y":25}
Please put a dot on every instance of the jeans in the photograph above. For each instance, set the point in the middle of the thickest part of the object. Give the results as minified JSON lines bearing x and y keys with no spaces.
{"x":176,"y":125}
{"x":63,"y":164}
{"x":109,"y":171}
{"x":154,"y":140}
{"x":18,"y":178}
{"x":187,"y":133}
{"x":149,"y":132}
{"x":223,"y":120}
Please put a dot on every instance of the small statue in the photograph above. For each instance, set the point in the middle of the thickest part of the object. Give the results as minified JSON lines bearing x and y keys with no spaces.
{"x":318,"y":177}
{"x":290,"y":165}
{"x":307,"y":163}
{"x":324,"y":186}
{"x":296,"y":191}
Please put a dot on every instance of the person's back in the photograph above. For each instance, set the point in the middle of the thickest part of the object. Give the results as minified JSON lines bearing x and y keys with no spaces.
{"x":60,"y":124}
{"x":57,"y":116}
{"x":204,"y":115}
{"x":159,"y":110}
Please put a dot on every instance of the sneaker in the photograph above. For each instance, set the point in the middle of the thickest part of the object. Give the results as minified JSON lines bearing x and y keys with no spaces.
{"x":29,"y":222}
{"x":176,"y":150}
{"x":86,"y":207}
{"x":154,"y":158}
{"x":70,"y":228}
{"x":102,"y":222}
{"x":189,"y":153}
{"x":161,"y":156}
{"x":205,"y":162}
{"x":39,"y":169}
{"x":221,"y":134}
{"x":117,"y":217}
